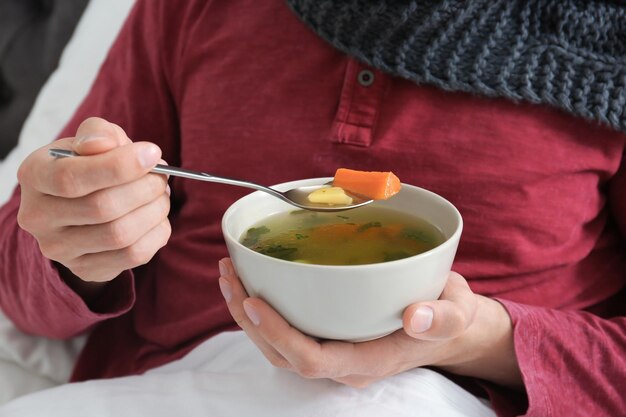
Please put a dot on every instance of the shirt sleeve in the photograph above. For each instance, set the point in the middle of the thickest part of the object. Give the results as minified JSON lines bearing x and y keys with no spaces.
{"x":33,"y":293}
{"x":572,"y":362}
{"x":132,"y":89}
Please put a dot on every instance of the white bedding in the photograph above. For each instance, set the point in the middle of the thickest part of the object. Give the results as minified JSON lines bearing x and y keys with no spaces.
{"x":227,"y":376}
{"x":29,"y":364}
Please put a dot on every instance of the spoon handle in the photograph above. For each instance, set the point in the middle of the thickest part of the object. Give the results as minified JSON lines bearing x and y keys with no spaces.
{"x":186,"y":173}
{"x":203,"y":176}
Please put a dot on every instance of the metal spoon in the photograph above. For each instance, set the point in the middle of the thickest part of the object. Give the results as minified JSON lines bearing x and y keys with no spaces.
{"x":296,"y":196}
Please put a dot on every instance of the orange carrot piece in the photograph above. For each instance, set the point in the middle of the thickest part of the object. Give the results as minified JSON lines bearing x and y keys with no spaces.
{"x":370,"y":184}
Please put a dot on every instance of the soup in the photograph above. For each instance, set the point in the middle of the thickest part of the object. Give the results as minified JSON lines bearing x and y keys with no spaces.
{"x":361,"y":236}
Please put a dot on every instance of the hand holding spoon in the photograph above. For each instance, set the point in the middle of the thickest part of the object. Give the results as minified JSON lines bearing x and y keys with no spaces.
{"x":297,"y":196}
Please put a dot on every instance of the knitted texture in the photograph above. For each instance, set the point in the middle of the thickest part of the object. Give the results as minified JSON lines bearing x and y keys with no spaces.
{"x":566,"y":53}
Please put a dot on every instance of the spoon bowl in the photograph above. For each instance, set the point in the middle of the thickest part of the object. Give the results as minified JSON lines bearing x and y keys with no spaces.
{"x":297,"y":197}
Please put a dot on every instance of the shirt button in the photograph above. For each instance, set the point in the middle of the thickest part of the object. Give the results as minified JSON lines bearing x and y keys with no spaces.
{"x":366,"y":78}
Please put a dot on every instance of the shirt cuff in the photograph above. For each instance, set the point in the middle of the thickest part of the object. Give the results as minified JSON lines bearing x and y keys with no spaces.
{"x":116,"y":298}
{"x":526,"y":339}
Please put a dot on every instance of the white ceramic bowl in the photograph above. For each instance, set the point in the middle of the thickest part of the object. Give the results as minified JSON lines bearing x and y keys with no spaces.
{"x":353,"y":303}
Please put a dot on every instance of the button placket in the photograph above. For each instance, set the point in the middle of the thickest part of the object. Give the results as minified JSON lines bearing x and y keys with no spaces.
{"x":361,"y":95}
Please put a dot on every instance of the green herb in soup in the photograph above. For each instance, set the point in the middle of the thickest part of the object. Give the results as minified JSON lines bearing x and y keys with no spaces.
{"x":361,"y":236}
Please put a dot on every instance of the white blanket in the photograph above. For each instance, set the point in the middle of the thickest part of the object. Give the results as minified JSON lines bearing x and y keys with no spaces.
{"x":29,"y":364}
{"x":227,"y":376}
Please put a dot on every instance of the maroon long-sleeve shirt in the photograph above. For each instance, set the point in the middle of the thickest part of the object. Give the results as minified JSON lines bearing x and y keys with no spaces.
{"x":243,"y":89}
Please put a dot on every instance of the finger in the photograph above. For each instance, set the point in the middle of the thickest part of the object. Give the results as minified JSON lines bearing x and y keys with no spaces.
{"x":357,"y":381}
{"x":105,"y":266}
{"x":113,"y":203}
{"x":29,"y":169}
{"x":117,"y":234}
{"x":327,"y":359}
{"x":301,"y":351}
{"x":106,"y":205}
{"x":445,"y":318}
{"x":96,"y":135}
{"x":82,"y":175}
{"x":333,"y":359}
{"x":235,"y":294}
{"x":310,"y":358}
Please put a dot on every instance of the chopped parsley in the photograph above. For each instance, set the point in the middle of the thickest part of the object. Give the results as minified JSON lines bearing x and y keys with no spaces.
{"x":279,"y":251}
{"x":418,"y":236}
{"x":253,"y":234}
{"x":369,"y":225}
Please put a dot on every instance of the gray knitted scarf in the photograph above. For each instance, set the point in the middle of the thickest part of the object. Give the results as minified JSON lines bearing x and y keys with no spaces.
{"x":566,"y":53}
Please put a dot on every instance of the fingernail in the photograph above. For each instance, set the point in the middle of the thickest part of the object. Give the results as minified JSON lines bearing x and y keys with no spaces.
{"x":227,"y":292}
{"x":149,"y":155}
{"x":224,"y":271}
{"x":87,"y":138}
{"x":252,"y":314}
{"x":422,"y":319}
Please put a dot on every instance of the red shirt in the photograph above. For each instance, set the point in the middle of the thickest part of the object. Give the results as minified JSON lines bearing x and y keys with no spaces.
{"x":243,"y":89}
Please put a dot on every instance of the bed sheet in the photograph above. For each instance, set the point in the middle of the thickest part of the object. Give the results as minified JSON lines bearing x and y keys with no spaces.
{"x":29,"y":364}
{"x":228,"y":376}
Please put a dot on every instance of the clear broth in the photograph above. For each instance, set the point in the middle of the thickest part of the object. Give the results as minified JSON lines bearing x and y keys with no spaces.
{"x":361,"y":236}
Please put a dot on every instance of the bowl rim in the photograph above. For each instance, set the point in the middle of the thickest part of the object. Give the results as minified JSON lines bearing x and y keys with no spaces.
{"x":451,"y":240}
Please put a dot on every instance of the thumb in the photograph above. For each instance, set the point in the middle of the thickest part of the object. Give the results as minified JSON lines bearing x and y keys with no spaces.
{"x":445,"y":318}
{"x":96,"y":135}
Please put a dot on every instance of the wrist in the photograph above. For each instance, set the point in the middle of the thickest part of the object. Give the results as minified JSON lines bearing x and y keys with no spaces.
{"x":89,"y":292}
{"x":486,"y":349}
